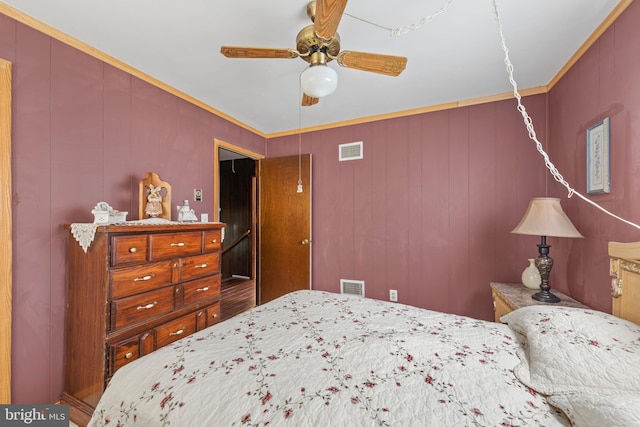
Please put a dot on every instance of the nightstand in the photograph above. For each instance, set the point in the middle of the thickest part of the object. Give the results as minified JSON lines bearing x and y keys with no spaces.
{"x":511,"y":296}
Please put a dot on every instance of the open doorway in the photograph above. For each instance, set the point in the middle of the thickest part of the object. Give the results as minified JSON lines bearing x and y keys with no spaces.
{"x":266,"y":206}
{"x":236,"y":206}
{"x":237,"y":201}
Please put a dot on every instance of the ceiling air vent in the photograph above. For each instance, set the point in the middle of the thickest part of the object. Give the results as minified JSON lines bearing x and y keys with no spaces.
{"x":351,"y":151}
{"x":352,"y":287}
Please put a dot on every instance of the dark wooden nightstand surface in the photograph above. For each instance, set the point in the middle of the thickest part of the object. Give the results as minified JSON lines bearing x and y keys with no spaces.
{"x":511,"y":296}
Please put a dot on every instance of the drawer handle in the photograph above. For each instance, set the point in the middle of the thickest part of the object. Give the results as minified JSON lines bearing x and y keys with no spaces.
{"x":148,"y":306}
{"x":205,"y":289}
{"x":178,"y":332}
{"x":145,"y":278}
{"x":133,"y":250}
{"x":201,"y":265}
{"x":178,"y":244}
{"x":214,"y":315}
{"x":128,"y":355}
{"x":214,"y":241}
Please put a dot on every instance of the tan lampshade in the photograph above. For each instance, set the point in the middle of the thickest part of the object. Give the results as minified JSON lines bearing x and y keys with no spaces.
{"x":545,"y":217}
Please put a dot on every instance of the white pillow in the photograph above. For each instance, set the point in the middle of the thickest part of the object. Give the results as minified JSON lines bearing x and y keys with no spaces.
{"x":576,"y":350}
{"x":590,"y":410}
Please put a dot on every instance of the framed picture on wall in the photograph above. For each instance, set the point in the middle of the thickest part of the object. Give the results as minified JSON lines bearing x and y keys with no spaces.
{"x":598,"y":157}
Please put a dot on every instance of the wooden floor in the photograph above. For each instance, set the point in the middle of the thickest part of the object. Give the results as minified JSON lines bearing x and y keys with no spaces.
{"x":238,"y":294}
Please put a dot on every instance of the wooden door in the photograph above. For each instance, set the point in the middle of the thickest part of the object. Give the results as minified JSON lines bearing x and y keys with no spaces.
{"x":285,"y":226}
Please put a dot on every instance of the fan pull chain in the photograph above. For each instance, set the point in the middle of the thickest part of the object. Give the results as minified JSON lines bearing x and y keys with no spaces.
{"x":532,"y":133}
{"x":367,"y":22}
{"x":397,"y":32}
{"x":299,"y":189}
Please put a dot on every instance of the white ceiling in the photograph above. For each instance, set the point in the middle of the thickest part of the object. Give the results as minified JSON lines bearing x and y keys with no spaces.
{"x":456,"y":56}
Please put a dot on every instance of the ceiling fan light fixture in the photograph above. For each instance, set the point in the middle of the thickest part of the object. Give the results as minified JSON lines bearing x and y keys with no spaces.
{"x":318,"y":81}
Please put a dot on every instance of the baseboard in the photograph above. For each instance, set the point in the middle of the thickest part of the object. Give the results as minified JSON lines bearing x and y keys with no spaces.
{"x":79,"y":412}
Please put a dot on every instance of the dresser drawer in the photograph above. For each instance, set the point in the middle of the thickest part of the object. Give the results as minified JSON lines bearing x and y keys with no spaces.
{"x":170,"y":245}
{"x":201,"y":289}
{"x":138,"y":308}
{"x":128,"y":249}
{"x":201,"y":265}
{"x":127,"y":351}
{"x":208,"y":316}
{"x":176,"y":329}
{"x":213,"y":314}
{"x":142,"y":278}
{"x":212,"y":240}
{"x":500,"y":306}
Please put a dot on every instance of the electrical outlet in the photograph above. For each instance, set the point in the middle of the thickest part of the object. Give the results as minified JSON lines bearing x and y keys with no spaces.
{"x":197,"y":195}
{"x":393,"y":295}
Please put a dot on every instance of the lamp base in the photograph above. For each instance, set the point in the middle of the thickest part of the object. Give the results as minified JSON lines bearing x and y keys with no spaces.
{"x":544,"y":263}
{"x":545,"y":297}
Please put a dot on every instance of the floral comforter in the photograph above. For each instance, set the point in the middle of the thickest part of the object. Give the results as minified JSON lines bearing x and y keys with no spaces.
{"x":313,"y":358}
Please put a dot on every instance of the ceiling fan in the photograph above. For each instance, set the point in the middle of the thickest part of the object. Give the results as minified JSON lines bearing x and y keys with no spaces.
{"x":318,"y":44}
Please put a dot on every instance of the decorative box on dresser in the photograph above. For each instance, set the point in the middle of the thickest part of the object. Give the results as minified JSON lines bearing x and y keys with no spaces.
{"x":136,"y":289}
{"x":511,"y":296}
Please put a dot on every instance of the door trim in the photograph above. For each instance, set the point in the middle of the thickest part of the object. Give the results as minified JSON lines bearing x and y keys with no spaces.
{"x":6,"y":242}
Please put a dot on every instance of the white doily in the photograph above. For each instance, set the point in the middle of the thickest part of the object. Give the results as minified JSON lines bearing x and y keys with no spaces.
{"x":84,"y":233}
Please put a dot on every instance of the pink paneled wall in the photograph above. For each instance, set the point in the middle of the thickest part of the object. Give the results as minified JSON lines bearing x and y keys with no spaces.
{"x":429,"y":209}
{"x":85,"y":132}
{"x":605,"y":82}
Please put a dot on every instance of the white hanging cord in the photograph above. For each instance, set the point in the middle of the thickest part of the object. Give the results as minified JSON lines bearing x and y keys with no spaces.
{"x":397,"y":32}
{"x":532,"y":133}
{"x":300,"y":151}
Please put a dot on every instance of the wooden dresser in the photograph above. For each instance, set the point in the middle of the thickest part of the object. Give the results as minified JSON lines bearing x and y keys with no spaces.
{"x":136,"y":289}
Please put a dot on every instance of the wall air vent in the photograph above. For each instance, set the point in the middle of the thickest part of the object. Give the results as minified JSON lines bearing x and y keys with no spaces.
{"x":351,"y":151}
{"x":352,"y":287}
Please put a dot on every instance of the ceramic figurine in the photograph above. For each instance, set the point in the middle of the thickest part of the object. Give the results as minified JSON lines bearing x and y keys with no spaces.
{"x":186,"y":214}
{"x":154,"y":202}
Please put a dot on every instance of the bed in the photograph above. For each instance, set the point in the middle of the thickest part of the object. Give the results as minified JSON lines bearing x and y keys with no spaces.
{"x":312,"y":358}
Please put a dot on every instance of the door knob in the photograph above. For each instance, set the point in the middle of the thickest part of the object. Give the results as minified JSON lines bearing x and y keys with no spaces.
{"x":305,"y":242}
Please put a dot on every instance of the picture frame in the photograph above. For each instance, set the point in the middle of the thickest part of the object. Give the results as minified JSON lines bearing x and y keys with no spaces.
{"x":597,"y":149}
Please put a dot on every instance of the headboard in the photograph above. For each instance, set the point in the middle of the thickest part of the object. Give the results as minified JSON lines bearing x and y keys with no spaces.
{"x":624,"y":268}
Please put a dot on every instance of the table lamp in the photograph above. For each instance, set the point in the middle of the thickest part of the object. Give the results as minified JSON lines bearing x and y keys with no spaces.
{"x":545,"y":218}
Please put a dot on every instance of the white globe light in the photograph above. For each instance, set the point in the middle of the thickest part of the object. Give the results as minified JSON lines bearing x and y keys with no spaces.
{"x":318,"y":81}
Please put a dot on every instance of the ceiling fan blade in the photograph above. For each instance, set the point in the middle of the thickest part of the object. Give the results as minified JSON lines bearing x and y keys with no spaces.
{"x":257,"y":52}
{"x":382,"y":64}
{"x":308,"y":101}
{"x":328,"y":15}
